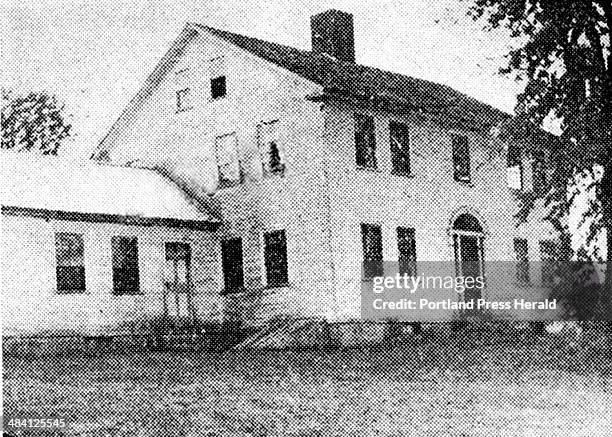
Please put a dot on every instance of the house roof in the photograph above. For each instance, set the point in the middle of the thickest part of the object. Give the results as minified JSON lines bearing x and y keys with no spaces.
{"x":52,"y":187}
{"x":387,"y":89}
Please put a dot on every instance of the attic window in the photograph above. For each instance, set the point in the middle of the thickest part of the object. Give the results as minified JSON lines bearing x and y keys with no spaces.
{"x":183,"y":92}
{"x":270,"y":147}
{"x":228,"y":164}
{"x":218,"y":85}
{"x":365,"y":141}
{"x":183,"y":100}
{"x":461,"y":158}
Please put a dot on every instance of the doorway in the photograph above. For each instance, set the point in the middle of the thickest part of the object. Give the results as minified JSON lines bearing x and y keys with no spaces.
{"x":468,"y":239}
{"x":177,"y":299}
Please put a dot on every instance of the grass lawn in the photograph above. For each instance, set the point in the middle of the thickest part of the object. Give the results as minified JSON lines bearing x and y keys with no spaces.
{"x":437,"y":388}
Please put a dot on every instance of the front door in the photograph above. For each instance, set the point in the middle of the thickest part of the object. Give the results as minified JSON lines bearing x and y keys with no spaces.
{"x":468,"y":257}
{"x":177,"y":293}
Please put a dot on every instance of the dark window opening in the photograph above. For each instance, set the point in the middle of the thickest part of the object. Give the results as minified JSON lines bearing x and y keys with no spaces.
{"x":232,"y":263}
{"x":218,"y":87}
{"x":70,"y":267}
{"x":548,"y":256}
{"x":521,"y":250}
{"x":461,"y":158}
{"x":371,"y":238}
{"x":406,"y":245}
{"x":365,"y":141}
{"x":400,"y":148}
{"x":126,"y":277}
{"x":275,"y":254}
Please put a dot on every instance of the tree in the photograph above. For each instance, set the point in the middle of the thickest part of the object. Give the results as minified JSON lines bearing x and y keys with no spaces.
{"x":33,"y":122}
{"x":562,"y":54}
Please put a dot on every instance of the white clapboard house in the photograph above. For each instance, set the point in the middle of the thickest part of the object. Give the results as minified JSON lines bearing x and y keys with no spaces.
{"x":266,"y":175}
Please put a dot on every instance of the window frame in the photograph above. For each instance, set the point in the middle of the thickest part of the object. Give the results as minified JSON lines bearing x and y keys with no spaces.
{"x":283,"y":266}
{"x":514,"y":159}
{"x":264,"y":147}
{"x":409,"y":258}
{"x":400,"y":154}
{"x":222,"y":182}
{"x":365,"y":154}
{"x":461,"y":141}
{"x":61,"y":269}
{"x":119,"y":272}
{"x":226,"y":263}
{"x":215,"y":82}
{"x":179,"y":106}
{"x":372,"y":263}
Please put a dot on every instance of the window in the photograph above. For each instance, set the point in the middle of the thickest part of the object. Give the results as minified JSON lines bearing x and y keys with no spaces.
{"x":365,"y":141}
{"x":461,"y":158}
{"x":400,"y":148}
{"x":515,"y":168}
{"x":70,"y":258}
{"x":183,"y":92}
{"x":406,"y":246}
{"x":231,"y":258}
{"x":228,"y":164}
{"x":126,"y":278}
{"x":183,"y":100}
{"x":275,"y":254}
{"x":371,"y":238}
{"x":272,"y":152}
{"x":178,"y":259}
{"x":548,"y":255}
{"x":538,"y":171}
{"x":521,"y":250}
{"x":218,"y":86}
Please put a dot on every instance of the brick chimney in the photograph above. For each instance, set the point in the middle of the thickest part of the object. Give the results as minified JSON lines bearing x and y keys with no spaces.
{"x":332,"y":33}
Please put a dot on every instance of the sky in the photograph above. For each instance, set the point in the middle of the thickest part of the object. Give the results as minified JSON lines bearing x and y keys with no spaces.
{"x":95,"y":55}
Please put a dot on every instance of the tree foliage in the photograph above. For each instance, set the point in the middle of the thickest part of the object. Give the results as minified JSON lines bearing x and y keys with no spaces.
{"x":562,"y":53}
{"x":33,"y":122}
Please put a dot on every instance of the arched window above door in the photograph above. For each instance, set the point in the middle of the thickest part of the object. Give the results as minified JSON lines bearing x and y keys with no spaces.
{"x":467,"y":222}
